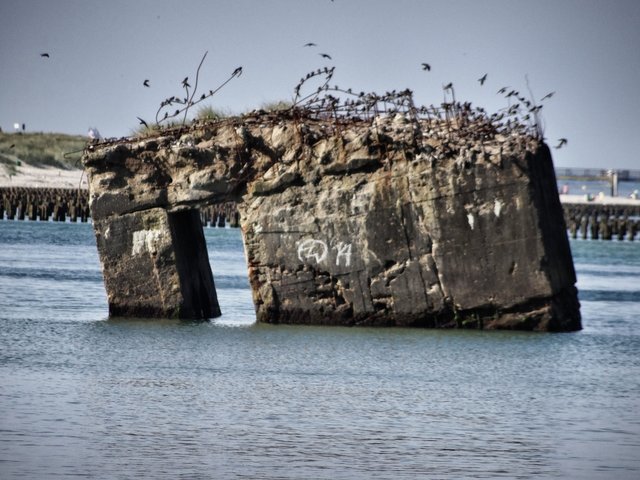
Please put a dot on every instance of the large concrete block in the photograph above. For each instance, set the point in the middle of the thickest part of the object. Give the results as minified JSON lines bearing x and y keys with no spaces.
{"x":155,"y":264}
{"x":396,"y":221}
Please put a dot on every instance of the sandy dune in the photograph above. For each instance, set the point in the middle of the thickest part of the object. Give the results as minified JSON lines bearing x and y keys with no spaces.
{"x":30,"y":176}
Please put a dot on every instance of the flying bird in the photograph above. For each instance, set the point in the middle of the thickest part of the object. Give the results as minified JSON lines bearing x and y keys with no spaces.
{"x":548,"y":95}
{"x":426,"y":66}
{"x":561,"y":142}
{"x":310,"y":44}
{"x":482,"y":79}
{"x":45,"y":55}
{"x":325,"y":55}
{"x":142,"y":122}
{"x":145,"y":83}
{"x":237,"y":71}
{"x":503,"y":90}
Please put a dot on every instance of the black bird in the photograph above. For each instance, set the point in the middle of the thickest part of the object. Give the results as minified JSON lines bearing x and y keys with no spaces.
{"x":482,"y":79}
{"x":426,"y":66}
{"x":145,"y":83}
{"x":142,"y":122}
{"x":237,"y":71}
{"x":325,"y":55}
{"x":503,"y":90}
{"x":548,"y":95}
{"x":561,"y":142}
{"x":12,"y":145}
{"x":310,"y":44}
{"x":448,"y":86}
{"x":45,"y":55}
{"x":185,"y":82}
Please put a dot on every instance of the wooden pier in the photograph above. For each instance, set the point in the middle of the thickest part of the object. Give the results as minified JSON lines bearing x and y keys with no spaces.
{"x":608,"y":218}
{"x":44,"y":204}
{"x":72,"y":204}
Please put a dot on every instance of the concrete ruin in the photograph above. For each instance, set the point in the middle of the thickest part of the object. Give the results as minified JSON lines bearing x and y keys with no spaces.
{"x":390,"y":221}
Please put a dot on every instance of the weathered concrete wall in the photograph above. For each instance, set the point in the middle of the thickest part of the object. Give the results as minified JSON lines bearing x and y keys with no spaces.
{"x":155,"y":264}
{"x":384,"y":223}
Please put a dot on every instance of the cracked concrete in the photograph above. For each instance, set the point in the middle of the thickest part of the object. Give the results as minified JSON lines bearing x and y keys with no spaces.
{"x":368,"y":224}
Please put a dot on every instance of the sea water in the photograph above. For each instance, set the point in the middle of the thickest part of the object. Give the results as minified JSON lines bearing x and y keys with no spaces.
{"x":87,"y":397}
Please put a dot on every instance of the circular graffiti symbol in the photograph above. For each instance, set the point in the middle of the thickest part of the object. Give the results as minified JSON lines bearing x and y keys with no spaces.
{"x":312,"y":250}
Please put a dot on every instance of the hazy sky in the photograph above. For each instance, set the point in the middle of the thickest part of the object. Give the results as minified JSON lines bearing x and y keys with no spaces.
{"x":587,"y":51}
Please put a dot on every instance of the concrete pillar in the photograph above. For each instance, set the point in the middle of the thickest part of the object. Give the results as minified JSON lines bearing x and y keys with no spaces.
{"x":155,"y":264}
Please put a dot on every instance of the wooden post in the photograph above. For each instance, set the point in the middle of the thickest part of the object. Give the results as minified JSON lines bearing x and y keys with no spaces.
{"x":633,"y":229}
{"x":593,"y":225}
{"x":584,"y":223}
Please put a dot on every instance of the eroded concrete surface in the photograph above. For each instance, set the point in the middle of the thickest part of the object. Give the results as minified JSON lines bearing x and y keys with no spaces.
{"x":385,"y":222}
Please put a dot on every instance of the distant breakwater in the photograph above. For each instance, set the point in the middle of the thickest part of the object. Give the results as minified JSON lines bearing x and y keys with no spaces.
{"x":604,"y":222}
{"x":72,"y":204}
{"x":44,"y":204}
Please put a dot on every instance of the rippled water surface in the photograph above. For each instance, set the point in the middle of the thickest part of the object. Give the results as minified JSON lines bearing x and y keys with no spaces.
{"x":88,"y":397}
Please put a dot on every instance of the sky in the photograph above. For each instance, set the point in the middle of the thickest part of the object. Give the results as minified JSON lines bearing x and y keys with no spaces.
{"x":100,"y":53}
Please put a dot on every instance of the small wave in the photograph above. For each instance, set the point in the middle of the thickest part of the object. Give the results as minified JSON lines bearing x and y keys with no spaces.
{"x":609,"y":295}
{"x":230,"y":281}
{"x":622,"y":283}
{"x":607,"y":270}
{"x":58,"y":275}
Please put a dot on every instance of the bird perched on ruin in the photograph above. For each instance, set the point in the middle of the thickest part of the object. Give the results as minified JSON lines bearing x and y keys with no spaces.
{"x":146,"y":83}
{"x":45,"y":55}
{"x":325,"y":55}
{"x":185,"y":82}
{"x":448,"y":86}
{"x":426,"y":66}
{"x":483,"y":79}
{"x":561,"y":142}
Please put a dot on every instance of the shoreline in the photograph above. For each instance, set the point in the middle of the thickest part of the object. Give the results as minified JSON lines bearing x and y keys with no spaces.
{"x":30,"y":176}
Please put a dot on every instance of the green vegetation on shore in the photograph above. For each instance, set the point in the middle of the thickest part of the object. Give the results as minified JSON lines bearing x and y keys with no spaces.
{"x":40,"y":150}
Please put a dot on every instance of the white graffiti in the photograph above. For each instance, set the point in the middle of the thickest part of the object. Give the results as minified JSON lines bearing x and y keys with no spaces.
{"x":497,"y":207}
{"x":312,"y":249}
{"x":146,"y":241}
{"x":344,"y":251}
{"x":317,"y":251}
{"x":471,"y":219}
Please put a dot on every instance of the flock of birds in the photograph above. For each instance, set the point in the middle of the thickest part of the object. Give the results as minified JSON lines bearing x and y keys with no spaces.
{"x":328,"y":100}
